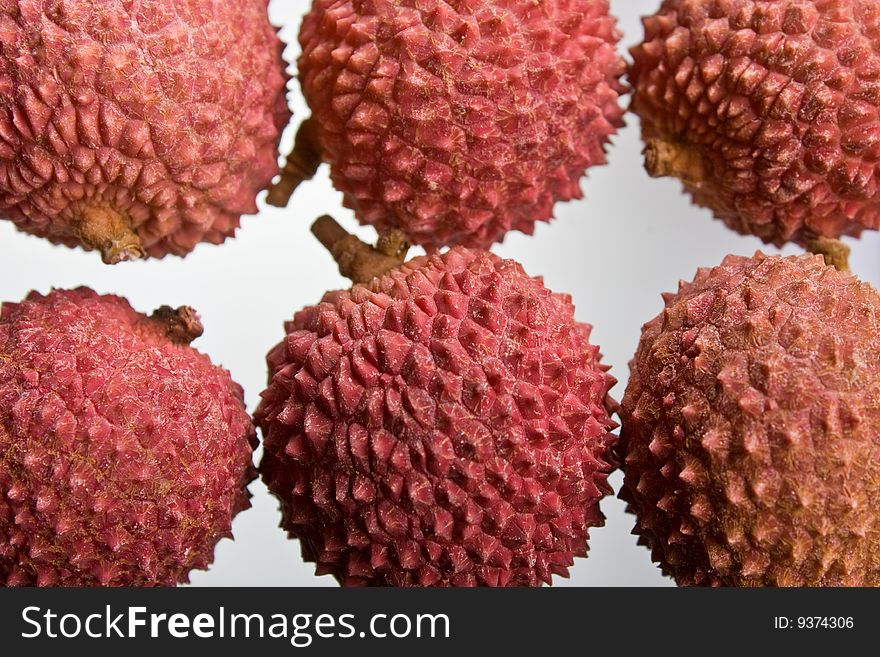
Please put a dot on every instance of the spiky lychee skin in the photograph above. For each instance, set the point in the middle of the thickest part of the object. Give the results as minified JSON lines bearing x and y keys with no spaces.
{"x":778,"y":105}
{"x":123,"y":455}
{"x":168,"y":112}
{"x":445,"y":425}
{"x":751,"y":424}
{"x":456,"y":122}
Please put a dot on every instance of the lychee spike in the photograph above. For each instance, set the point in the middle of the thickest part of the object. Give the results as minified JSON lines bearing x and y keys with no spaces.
{"x":107,"y":230}
{"x":835,"y":252}
{"x":181,"y":326}
{"x":357,"y":260}
{"x":302,"y":164}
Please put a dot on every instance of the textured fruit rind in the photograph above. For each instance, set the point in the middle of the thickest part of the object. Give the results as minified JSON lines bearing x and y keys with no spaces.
{"x":446,"y":425}
{"x":458,"y":121}
{"x":751,"y":424}
{"x":123,"y":456}
{"x":168,"y":112}
{"x":781,"y":102}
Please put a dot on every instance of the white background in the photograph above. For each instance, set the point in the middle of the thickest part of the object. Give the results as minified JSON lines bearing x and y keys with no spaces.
{"x":614,"y":252}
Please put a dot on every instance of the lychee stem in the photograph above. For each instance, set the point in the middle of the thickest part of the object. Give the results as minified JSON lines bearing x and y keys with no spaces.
{"x":302,"y":164}
{"x":393,"y":244}
{"x":835,"y":252}
{"x":357,"y":260}
{"x":103,"y":228}
{"x":666,"y":158}
{"x":182,"y":326}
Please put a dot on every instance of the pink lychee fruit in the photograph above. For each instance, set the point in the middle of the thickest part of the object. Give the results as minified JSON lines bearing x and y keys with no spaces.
{"x":458,"y":121}
{"x":124,"y":453}
{"x":444,"y":424}
{"x":137,"y":128}
{"x":768,"y":111}
{"x":750,"y":427}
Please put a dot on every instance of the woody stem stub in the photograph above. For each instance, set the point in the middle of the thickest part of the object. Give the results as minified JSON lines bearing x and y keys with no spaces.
{"x":103,"y":228}
{"x":668,"y":158}
{"x":835,"y":252}
{"x":358,"y":261}
{"x":181,"y":325}
{"x":302,"y":164}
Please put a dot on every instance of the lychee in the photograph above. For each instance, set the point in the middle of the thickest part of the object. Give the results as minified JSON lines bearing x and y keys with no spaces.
{"x":457,"y":121}
{"x":769,"y":112}
{"x":443,"y":424}
{"x":124,"y":453}
{"x":137,"y":128}
{"x":750,"y":427}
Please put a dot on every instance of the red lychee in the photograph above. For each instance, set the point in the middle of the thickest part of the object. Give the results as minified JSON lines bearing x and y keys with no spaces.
{"x":124,"y":453}
{"x":445,"y":424}
{"x":137,"y":128}
{"x":456,"y":121}
{"x":768,"y":111}
{"x":750,"y":427}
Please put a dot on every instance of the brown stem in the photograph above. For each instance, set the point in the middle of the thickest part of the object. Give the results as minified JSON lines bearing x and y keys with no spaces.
{"x":666,"y":158}
{"x":835,"y":252}
{"x":302,"y":164}
{"x":182,"y":326}
{"x":393,"y":244}
{"x":358,"y":261}
{"x":103,"y":228}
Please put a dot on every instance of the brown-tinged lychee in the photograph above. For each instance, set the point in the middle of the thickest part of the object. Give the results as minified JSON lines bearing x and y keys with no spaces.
{"x":750,"y":427}
{"x":769,"y":112}
{"x":137,"y":128}
{"x":456,"y":121}
{"x":124,"y":453}
{"x":445,"y":422}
